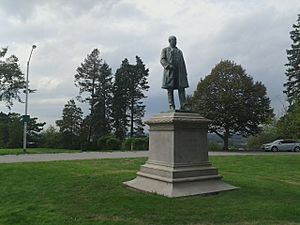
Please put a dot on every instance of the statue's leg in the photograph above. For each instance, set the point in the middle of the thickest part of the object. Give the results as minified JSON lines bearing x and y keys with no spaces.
{"x":171,"y":99}
{"x":182,"y":98}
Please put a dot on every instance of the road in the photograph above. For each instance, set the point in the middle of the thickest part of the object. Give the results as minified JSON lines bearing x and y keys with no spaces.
{"x":111,"y":155}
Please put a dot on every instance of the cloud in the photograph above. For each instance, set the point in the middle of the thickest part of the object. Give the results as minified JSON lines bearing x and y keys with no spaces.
{"x":254,"y":34}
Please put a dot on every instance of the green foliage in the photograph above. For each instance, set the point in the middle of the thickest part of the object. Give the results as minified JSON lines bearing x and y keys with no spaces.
{"x":51,"y":138}
{"x":233,"y":102}
{"x":90,"y":192}
{"x":136,"y":143}
{"x":88,"y":146}
{"x":141,"y":143}
{"x":113,"y":143}
{"x":289,"y":124}
{"x":94,"y":79}
{"x":70,"y":125}
{"x":11,"y":79}
{"x":19,"y":151}
{"x":213,"y":146}
{"x":11,"y":130}
{"x":293,"y":66}
{"x":109,"y":143}
{"x":128,"y":143}
{"x":269,"y":133}
{"x":128,"y":93}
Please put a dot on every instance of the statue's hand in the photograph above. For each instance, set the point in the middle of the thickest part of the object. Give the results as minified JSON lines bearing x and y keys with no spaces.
{"x":169,"y":67}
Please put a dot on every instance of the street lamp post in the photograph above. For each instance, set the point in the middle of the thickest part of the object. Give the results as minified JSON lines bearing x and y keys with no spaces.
{"x":25,"y":118}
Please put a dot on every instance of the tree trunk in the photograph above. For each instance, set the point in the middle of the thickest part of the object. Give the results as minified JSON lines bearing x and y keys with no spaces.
{"x":131,"y":119}
{"x":92,"y":112}
{"x":226,"y":139}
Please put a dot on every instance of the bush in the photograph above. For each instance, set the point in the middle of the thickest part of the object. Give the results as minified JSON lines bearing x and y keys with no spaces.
{"x":113,"y":143}
{"x":136,"y":144}
{"x":141,"y":143}
{"x":128,"y":144}
{"x":213,"y":146}
{"x":109,"y":143}
{"x":101,"y":142}
{"x":88,"y":146}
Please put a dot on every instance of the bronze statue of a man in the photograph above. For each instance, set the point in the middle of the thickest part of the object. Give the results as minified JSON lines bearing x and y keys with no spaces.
{"x":175,"y":74}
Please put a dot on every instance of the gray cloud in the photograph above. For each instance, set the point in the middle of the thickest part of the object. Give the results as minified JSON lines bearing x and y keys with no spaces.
{"x":254,"y":34}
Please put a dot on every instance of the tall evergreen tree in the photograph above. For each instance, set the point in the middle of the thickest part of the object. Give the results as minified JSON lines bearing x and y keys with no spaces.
{"x":293,"y":66}
{"x":94,"y":78}
{"x":128,"y":108}
{"x":138,"y":86}
{"x":70,"y":124}
{"x":103,"y":104}
{"x":120,"y":101}
{"x":11,"y":79}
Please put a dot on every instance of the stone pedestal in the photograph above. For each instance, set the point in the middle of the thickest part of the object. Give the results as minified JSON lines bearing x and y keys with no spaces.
{"x":178,"y":158}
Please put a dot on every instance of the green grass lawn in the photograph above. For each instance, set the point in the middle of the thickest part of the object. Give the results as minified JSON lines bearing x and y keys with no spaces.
{"x":17,"y":151}
{"x":90,"y":192}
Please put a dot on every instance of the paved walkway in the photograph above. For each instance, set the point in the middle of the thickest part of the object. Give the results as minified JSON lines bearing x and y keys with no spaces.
{"x":110,"y":155}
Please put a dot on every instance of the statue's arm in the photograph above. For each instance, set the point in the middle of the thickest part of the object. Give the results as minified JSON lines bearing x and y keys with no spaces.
{"x":183,"y":62}
{"x":163,"y":59}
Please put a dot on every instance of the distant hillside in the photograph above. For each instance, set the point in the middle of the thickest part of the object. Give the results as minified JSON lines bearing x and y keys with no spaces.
{"x":235,"y":140}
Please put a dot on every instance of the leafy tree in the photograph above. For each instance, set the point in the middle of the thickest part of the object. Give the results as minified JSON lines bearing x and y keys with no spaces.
{"x":4,"y":125}
{"x":70,"y":124}
{"x":288,"y":125}
{"x":94,"y":78}
{"x":269,"y":133}
{"x":51,"y":138}
{"x":11,"y":130}
{"x":128,"y":93}
{"x":293,"y":66}
{"x":11,"y":79}
{"x":233,"y":102}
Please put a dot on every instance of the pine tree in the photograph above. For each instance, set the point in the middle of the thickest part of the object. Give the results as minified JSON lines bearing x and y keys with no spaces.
{"x":138,"y":86}
{"x":120,"y":101}
{"x":11,"y":79}
{"x":70,"y":124}
{"x":128,"y":108}
{"x":293,"y":66}
{"x":94,"y":81}
{"x":103,"y":103}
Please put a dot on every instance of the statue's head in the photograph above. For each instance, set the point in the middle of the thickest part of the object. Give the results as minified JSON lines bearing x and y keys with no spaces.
{"x":172,"y":41}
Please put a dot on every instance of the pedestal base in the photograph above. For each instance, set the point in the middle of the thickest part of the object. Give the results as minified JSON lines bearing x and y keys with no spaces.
{"x":179,"y":182}
{"x":178,"y":158}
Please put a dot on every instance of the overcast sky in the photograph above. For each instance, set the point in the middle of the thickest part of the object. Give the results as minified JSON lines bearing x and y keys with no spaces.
{"x":253,"y":33}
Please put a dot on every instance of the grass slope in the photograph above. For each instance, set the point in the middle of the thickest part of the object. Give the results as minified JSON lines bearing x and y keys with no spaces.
{"x":91,"y":193}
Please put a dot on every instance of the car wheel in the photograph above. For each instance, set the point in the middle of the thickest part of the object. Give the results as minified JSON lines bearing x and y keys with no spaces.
{"x":274,"y":149}
{"x":297,"y":149}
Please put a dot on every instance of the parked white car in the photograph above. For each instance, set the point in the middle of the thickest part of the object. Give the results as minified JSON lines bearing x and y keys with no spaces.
{"x":282,"y":145}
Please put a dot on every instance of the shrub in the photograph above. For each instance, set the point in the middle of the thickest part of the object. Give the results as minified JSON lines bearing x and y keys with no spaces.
{"x":136,"y":143}
{"x":141,"y":143}
{"x":109,"y":143}
{"x":88,"y":146}
{"x":101,"y":142}
{"x":127,"y":144}
{"x":213,"y":146}
{"x":113,"y":143}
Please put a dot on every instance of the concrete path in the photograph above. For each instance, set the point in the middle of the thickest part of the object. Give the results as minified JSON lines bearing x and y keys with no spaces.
{"x":111,"y":155}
